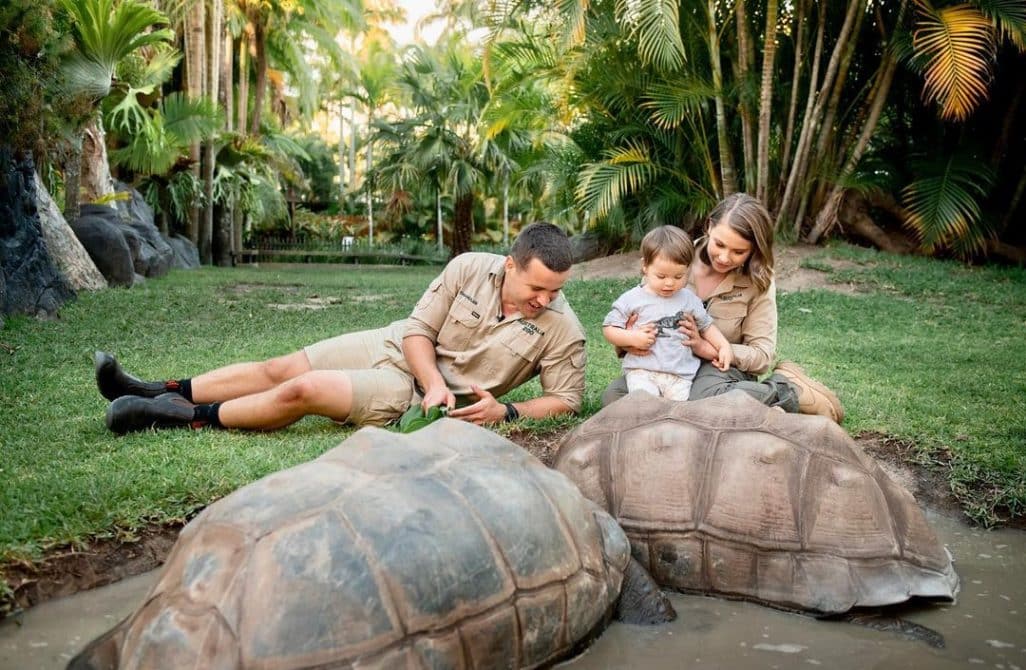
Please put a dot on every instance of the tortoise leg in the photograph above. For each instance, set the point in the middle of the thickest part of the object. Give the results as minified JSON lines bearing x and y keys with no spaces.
{"x":894,"y":624}
{"x":641,"y":601}
{"x":103,"y":653}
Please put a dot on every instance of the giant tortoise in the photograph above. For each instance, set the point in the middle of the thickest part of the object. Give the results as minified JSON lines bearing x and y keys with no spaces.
{"x":729,"y":497}
{"x":449,"y":547}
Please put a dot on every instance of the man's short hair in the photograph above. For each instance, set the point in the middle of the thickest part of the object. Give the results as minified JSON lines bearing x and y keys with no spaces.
{"x":546,"y":242}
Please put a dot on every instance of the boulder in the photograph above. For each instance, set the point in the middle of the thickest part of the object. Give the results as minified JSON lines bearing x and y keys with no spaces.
{"x":587,"y":246}
{"x":155,"y":256}
{"x":98,"y":230}
{"x":32,"y":282}
{"x":64,"y":247}
{"x":186,"y":254}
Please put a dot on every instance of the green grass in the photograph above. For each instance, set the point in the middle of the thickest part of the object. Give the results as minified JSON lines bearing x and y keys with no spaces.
{"x":931,"y":353}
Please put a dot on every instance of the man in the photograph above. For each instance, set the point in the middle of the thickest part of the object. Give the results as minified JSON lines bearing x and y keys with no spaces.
{"x":484,"y":326}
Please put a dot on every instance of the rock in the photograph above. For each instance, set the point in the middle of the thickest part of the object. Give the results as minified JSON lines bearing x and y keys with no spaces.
{"x":98,"y":231}
{"x":587,"y":246}
{"x":155,"y":256}
{"x":32,"y":282}
{"x":64,"y":247}
{"x":186,"y":254}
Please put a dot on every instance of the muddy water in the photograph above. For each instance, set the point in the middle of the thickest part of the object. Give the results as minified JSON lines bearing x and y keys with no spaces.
{"x":986,"y":628}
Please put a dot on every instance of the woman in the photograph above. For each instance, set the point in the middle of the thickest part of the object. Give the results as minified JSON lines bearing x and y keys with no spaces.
{"x":733,"y":275}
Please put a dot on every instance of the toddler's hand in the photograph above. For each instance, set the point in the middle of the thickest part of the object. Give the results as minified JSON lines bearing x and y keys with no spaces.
{"x":724,"y":358}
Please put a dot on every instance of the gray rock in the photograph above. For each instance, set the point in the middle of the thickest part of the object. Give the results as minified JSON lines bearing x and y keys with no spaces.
{"x":186,"y":254}
{"x":32,"y":282}
{"x":154,"y":257}
{"x":587,"y":246}
{"x":98,"y":231}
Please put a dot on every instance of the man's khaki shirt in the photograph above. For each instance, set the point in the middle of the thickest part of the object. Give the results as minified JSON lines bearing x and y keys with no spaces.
{"x":461,"y":313}
{"x":747,"y":317}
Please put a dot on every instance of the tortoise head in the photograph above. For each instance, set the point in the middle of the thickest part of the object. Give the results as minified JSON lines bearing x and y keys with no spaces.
{"x":640,"y":601}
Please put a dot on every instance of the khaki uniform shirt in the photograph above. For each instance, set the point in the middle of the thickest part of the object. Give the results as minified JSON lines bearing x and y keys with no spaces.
{"x":460,"y":312}
{"x":747,"y":318}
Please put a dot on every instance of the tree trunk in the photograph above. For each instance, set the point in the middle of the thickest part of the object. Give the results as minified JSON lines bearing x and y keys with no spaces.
{"x":260,"y":87}
{"x":72,"y":177}
{"x":352,"y":146}
{"x":852,"y":213}
{"x":745,"y":59}
{"x":796,"y":77}
{"x":213,"y":30}
{"x":195,"y":75}
{"x":727,"y":171}
{"x":341,"y":154}
{"x":438,"y":217}
{"x":95,"y":180}
{"x":369,"y":183}
{"x":463,"y":224}
{"x":242,"y":99}
{"x":886,"y":73}
{"x":797,"y":169}
{"x":766,"y":100}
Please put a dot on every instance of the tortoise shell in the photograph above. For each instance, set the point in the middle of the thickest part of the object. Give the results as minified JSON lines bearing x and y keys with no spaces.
{"x":447,"y":547}
{"x":727,"y":496}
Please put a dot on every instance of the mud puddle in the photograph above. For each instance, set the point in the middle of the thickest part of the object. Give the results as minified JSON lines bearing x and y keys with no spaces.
{"x":986,"y":628}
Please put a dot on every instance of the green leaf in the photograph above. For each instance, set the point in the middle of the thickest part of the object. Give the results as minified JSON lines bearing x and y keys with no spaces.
{"x":414,"y":418}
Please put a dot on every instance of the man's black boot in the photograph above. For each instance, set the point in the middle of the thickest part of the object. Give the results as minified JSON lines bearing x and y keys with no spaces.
{"x":114,"y":382}
{"x":132,"y":413}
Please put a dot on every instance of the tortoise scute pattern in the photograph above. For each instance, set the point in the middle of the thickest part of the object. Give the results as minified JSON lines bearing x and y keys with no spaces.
{"x":388,"y":551}
{"x":725,"y":495}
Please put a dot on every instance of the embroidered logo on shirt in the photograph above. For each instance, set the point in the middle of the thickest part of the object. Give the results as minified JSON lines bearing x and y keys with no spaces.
{"x":730,"y":296}
{"x":531,"y":328}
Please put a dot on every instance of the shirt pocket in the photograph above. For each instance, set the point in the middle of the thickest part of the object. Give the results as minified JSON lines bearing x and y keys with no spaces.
{"x":463,"y":322}
{"x":522,"y":344}
{"x":729,"y":317}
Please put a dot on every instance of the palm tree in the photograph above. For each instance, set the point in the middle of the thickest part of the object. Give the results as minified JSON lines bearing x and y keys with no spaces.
{"x":105,"y":33}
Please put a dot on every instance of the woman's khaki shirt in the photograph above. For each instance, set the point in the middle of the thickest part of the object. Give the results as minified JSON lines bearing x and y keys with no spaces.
{"x":747,"y":317}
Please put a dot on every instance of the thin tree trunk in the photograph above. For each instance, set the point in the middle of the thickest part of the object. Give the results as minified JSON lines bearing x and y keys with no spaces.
{"x":352,"y":146}
{"x":195,"y":72}
{"x":260,"y":87}
{"x":727,"y":171}
{"x":797,"y":172}
{"x":890,"y":62}
{"x":766,"y":100}
{"x":72,"y":178}
{"x":796,"y":77}
{"x":745,"y":60}
{"x":1011,"y":115}
{"x":505,"y":208}
{"x":438,"y":218}
{"x":463,"y":224}
{"x":214,"y":16}
{"x":242,"y":101}
{"x":369,"y":183}
{"x":341,"y":154}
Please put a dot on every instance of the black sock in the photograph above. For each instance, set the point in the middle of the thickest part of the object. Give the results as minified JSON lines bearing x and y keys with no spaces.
{"x":206,"y":415}
{"x":182,"y":387}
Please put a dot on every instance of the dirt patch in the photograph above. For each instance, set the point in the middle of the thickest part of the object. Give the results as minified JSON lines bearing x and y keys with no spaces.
{"x":790,"y":275}
{"x":69,"y":570}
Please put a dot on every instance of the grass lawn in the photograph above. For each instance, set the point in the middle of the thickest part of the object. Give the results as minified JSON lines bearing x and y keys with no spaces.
{"x":929,"y":352}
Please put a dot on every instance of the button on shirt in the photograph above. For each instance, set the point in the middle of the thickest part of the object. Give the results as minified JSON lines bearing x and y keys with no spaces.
{"x":461,"y":312}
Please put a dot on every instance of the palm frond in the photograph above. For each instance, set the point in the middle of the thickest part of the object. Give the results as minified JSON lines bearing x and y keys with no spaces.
{"x":671,"y":103}
{"x":189,"y":120}
{"x":1009,"y":16}
{"x":959,"y":41}
{"x":604,"y":185}
{"x":943,"y":202}
{"x":574,"y":13}
{"x":659,"y":41}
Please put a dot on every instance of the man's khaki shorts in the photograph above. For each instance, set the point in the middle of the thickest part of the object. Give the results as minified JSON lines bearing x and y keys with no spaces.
{"x":381,"y":391}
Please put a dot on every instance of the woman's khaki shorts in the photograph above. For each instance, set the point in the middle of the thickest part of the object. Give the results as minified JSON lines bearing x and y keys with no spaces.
{"x":381,"y":391}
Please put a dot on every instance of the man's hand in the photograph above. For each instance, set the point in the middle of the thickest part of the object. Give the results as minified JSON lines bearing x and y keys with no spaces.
{"x":438,"y":395}
{"x":485,"y":410}
{"x":693,"y":338}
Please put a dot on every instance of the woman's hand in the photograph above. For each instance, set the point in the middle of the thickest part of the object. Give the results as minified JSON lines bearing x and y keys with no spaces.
{"x":693,"y":338}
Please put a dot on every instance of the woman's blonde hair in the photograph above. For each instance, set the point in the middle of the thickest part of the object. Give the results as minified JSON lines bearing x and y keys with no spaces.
{"x":747,"y":217}
{"x":670,"y":242}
